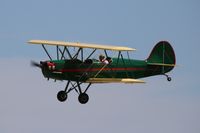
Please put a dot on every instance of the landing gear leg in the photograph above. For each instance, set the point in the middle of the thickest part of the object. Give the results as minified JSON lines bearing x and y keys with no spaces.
{"x":83,"y":97}
{"x":62,"y":95}
{"x":168,"y":77}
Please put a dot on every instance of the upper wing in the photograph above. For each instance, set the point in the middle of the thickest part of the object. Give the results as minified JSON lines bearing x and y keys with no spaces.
{"x":113,"y":80}
{"x":81,"y":45}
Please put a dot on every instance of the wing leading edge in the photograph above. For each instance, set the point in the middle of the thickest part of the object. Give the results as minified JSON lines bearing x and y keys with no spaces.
{"x":81,"y":45}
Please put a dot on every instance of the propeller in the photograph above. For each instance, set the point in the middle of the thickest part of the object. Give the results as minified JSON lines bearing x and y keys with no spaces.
{"x":42,"y":65}
{"x":36,"y":64}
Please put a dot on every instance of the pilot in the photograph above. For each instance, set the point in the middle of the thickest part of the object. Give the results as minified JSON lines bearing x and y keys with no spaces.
{"x":103,"y":59}
{"x":109,"y":60}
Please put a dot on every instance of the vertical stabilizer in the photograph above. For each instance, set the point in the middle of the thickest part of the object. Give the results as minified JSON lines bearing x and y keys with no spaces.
{"x":162,"y":55}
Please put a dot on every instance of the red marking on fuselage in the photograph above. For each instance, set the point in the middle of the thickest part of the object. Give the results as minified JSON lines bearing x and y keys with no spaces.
{"x":98,"y":69}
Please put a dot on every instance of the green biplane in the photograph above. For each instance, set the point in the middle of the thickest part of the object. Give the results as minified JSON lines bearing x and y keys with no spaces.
{"x":77,"y":68}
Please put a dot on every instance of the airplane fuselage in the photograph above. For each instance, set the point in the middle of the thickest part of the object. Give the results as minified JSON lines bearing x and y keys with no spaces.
{"x":76,"y":70}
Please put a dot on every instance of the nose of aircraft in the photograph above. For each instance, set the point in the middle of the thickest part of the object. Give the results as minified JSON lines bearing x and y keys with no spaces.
{"x":47,"y":64}
{"x":44,"y":65}
{"x":41,"y":65}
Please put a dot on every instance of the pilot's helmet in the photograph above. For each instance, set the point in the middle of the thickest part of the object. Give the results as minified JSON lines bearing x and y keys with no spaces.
{"x":101,"y":57}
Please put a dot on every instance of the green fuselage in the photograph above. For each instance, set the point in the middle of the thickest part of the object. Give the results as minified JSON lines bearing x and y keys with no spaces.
{"x":76,"y":70}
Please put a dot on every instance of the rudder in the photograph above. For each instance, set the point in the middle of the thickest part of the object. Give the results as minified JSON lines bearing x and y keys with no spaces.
{"x":162,"y":55}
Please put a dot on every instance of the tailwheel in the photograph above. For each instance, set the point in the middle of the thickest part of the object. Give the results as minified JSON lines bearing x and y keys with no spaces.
{"x":83,"y":98}
{"x":62,"y":96}
{"x":169,"y":78}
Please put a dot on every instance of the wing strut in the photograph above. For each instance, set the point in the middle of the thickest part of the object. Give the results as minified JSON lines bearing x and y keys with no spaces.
{"x":91,"y":54}
{"x":124,"y":64}
{"x":70,"y":56}
{"x":62,"y":53}
{"x":100,"y":70}
{"x":81,"y":54}
{"x":46,"y":51}
{"x":57,"y":50}
{"x":77,"y":53}
{"x":106,"y":53}
{"x":118,"y":57}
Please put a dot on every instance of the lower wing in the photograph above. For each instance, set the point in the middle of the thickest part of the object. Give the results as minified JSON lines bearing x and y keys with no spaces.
{"x":114,"y":80}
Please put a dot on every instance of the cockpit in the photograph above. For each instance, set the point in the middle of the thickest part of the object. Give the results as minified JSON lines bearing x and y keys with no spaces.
{"x":108,"y":60}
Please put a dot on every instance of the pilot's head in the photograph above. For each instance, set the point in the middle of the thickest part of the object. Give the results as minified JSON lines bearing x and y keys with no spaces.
{"x":101,"y":57}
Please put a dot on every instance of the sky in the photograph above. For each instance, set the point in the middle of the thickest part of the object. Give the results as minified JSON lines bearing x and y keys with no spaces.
{"x":28,"y":101}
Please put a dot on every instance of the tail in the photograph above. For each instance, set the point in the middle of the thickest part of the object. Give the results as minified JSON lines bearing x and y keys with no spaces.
{"x":162,"y":57}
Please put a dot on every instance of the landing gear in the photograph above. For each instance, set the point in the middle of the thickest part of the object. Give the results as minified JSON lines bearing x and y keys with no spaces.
{"x":168,"y":77}
{"x":83,"y":98}
{"x":62,"y":96}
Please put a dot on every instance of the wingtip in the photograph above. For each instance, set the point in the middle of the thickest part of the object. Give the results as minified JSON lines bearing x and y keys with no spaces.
{"x":30,"y":41}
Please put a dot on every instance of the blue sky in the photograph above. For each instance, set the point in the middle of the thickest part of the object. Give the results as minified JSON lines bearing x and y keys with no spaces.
{"x":28,"y":102}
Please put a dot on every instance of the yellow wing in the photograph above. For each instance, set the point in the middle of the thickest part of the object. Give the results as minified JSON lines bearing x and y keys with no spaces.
{"x":113,"y":80}
{"x":81,"y":45}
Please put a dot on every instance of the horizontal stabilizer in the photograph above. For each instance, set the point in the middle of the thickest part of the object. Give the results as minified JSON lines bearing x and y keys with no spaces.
{"x":161,"y":64}
{"x":114,"y":80}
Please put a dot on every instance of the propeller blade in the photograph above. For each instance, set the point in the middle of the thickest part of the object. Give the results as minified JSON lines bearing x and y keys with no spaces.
{"x":36,"y":64}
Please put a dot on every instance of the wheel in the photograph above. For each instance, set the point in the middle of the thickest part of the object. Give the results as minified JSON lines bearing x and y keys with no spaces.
{"x":83,"y":98}
{"x":169,"y":78}
{"x":62,"y":96}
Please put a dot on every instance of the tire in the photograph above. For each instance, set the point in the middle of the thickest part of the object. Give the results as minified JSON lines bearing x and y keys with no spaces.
{"x":83,"y":98}
{"x":169,"y":79}
{"x":62,"y":96}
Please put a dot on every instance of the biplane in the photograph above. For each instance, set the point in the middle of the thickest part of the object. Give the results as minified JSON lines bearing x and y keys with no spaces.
{"x":80,"y":67}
